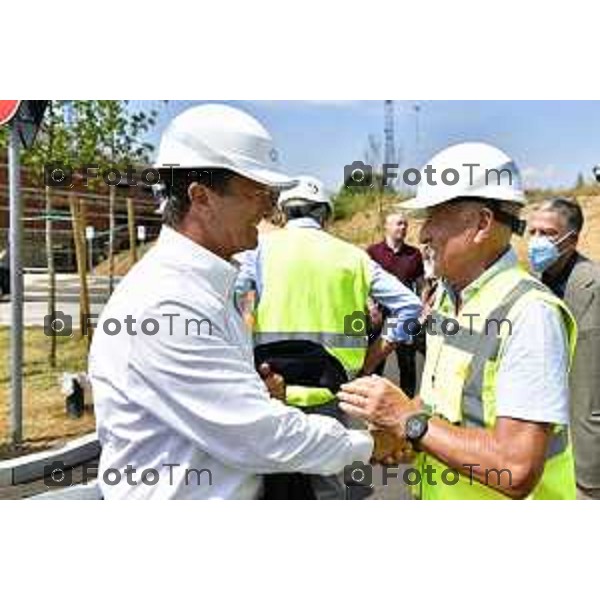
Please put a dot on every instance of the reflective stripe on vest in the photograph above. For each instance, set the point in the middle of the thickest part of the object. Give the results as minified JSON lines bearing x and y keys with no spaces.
{"x":485,"y":347}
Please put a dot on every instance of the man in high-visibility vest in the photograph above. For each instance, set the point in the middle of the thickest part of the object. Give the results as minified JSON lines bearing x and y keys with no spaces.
{"x":491,"y":420}
{"x":310,"y":323}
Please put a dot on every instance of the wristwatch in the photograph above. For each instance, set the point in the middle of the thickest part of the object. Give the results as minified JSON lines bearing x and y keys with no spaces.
{"x":416,"y":427}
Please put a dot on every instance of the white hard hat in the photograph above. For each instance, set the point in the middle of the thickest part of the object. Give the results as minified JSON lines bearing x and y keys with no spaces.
{"x":473,"y":169}
{"x":308,"y":190}
{"x":221,"y":136}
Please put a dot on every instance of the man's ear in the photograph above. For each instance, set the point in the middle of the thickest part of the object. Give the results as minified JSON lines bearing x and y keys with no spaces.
{"x":198,"y":195}
{"x":484,"y":226}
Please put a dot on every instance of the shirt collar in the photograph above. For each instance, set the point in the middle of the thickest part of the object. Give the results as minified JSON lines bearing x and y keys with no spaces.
{"x":387,"y":244}
{"x":508,"y":260}
{"x":217,"y":271}
{"x":303,"y":223}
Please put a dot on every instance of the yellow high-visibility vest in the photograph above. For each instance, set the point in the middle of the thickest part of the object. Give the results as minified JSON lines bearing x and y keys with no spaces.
{"x":459,"y":382}
{"x":315,"y":288}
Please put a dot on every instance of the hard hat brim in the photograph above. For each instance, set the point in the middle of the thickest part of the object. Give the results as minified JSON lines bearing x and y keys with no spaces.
{"x":268,"y":177}
{"x":420,"y":203}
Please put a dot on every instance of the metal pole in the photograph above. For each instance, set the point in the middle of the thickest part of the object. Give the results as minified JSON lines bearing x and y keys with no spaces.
{"x":16,"y":288}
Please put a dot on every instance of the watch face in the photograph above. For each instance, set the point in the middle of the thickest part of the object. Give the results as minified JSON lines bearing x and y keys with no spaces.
{"x":415,"y":428}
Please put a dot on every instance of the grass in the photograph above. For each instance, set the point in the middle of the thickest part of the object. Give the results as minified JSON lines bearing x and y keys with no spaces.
{"x":45,"y":422}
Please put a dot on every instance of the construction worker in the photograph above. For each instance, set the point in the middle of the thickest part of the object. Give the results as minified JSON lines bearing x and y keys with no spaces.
{"x":181,"y":411}
{"x":311,"y":293}
{"x":555,"y":228}
{"x":491,"y":420}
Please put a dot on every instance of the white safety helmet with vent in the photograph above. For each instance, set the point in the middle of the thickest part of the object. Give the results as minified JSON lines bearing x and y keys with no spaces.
{"x":470,"y":169}
{"x":221,"y":136}
{"x":309,"y":190}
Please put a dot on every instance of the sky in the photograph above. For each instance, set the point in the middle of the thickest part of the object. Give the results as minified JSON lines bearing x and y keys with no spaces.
{"x":551,"y":141}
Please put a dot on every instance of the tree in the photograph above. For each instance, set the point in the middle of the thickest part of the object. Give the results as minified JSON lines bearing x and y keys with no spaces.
{"x":80,"y":132}
{"x":110,"y":134}
{"x":52,"y":145}
{"x":580,"y":181}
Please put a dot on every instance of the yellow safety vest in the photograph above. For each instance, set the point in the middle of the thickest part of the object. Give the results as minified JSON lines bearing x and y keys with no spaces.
{"x":459,"y":383}
{"x":314,"y":288}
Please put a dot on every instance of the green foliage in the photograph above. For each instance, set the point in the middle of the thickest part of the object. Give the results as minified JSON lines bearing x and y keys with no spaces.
{"x":350,"y":200}
{"x":79,"y":132}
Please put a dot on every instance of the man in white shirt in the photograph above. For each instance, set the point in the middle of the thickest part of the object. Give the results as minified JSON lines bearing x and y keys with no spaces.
{"x":181,"y":411}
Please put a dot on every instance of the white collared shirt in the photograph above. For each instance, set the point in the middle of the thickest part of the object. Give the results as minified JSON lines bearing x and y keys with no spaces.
{"x":184,"y":405}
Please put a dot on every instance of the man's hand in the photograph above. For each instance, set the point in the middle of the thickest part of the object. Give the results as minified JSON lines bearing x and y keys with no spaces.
{"x":375,"y":314}
{"x":275,"y":383}
{"x":390,"y":449}
{"x":376,"y":354}
{"x":379,"y":402}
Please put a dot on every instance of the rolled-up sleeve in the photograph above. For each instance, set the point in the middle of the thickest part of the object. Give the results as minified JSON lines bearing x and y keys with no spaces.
{"x":402,"y":304}
{"x":533,"y":377}
{"x":205,"y":388}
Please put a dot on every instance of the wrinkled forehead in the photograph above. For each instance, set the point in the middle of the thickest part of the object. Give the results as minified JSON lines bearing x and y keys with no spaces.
{"x":451,"y":209}
{"x":547,"y":220}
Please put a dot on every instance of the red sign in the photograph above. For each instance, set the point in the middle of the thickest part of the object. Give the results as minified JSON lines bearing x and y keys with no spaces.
{"x":8,"y":109}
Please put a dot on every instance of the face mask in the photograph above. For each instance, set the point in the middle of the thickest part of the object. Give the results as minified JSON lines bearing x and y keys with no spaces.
{"x":543,"y":252}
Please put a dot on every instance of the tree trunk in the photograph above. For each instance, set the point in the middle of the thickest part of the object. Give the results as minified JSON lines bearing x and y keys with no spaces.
{"x":132,"y":232}
{"x":111,"y":238}
{"x":80,"y":245}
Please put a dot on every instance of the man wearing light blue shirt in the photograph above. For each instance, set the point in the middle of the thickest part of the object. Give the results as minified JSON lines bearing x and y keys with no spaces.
{"x":311,"y":288}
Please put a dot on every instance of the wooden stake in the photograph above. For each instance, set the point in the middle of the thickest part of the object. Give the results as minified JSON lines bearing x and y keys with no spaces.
{"x":80,"y":254}
{"x":132,"y":232}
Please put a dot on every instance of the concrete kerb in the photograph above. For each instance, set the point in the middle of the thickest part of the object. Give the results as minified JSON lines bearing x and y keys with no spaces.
{"x":31,"y":467}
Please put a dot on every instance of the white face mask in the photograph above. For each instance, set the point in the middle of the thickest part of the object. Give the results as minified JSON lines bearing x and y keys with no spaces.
{"x":543,"y":252}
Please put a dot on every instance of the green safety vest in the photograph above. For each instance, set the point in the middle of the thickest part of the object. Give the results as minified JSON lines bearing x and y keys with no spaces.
{"x":314,"y":287}
{"x":459,"y":383}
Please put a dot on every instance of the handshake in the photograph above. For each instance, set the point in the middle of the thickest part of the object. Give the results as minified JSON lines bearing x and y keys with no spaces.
{"x":386,"y":408}
{"x":374,"y":400}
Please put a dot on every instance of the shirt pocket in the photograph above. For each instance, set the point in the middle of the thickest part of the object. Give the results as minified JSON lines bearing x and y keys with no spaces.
{"x":451,"y":375}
